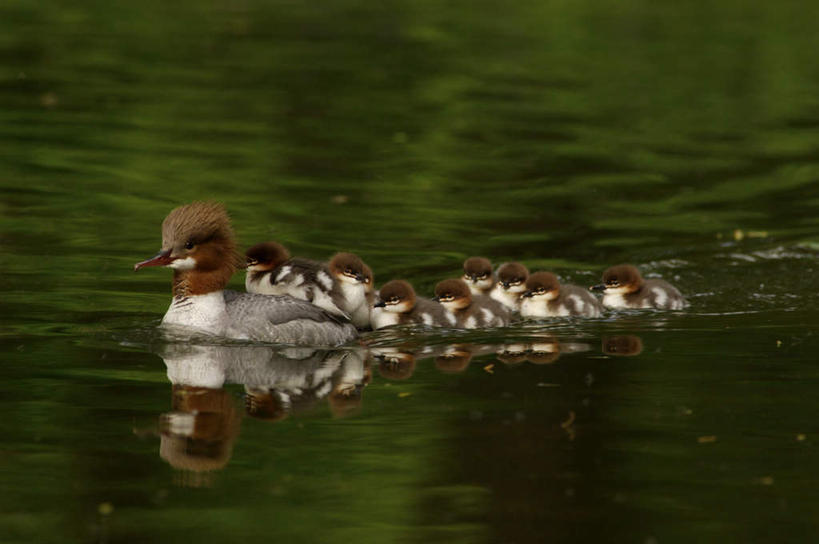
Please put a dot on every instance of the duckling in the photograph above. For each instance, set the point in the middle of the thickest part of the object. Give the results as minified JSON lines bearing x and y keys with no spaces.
{"x":398,"y":305}
{"x":353,"y":287}
{"x":546,"y":297}
{"x":271,"y":271}
{"x":478,"y":275}
{"x":470,"y":312}
{"x":624,"y":287}
{"x":511,"y":285}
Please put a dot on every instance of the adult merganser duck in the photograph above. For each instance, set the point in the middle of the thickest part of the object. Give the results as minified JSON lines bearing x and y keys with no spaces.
{"x":353,"y":288}
{"x":470,"y":312}
{"x":198,"y":244}
{"x":398,"y":305}
{"x":478,"y":275}
{"x":546,"y":297}
{"x":511,"y":285}
{"x":624,"y":287}
{"x":271,"y":271}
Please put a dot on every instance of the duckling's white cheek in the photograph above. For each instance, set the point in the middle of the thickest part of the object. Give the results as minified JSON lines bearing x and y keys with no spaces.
{"x":517,"y":288}
{"x":401,"y":307}
{"x":483,"y":284}
{"x":622,"y":290}
{"x":188,"y":263}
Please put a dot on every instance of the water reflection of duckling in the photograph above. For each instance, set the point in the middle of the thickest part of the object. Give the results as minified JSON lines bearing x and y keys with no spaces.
{"x":394,"y":364}
{"x":271,"y":271}
{"x":478,"y":275}
{"x":266,"y":404}
{"x":511,"y":285}
{"x":544,"y":352}
{"x":623,"y":345}
{"x":199,"y":433}
{"x":545,"y":296}
{"x":470,"y":312}
{"x":398,"y":305}
{"x":348,"y":385}
{"x":624,"y":287}
{"x":353,"y":288}
{"x":454,"y":359}
{"x":513,"y":354}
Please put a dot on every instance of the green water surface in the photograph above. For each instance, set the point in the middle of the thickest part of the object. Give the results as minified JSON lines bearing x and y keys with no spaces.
{"x":682,"y":137}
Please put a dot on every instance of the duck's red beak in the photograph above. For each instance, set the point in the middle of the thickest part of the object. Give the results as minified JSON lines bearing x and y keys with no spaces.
{"x":163,"y":258}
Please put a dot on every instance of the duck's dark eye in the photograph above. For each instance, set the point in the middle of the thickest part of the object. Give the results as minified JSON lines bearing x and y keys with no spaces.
{"x":483,"y":276}
{"x":393,"y":300}
{"x":189,"y":244}
{"x":348,"y":270}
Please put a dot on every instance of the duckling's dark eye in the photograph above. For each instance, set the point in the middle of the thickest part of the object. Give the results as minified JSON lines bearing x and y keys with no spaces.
{"x":483,"y":276}
{"x":348,"y":270}
{"x":393,"y":300}
{"x":189,"y":244}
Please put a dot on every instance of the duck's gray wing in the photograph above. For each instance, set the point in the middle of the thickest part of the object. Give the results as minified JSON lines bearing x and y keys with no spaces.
{"x":284,"y":319}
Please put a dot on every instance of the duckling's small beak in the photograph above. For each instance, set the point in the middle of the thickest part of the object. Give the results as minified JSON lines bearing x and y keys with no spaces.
{"x":505,"y":284}
{"x":601,"y":287}
{"x":527,"y":294}
{"x":163,"y":258}
{"x":362,"y":278}
{"x":380,"y":304}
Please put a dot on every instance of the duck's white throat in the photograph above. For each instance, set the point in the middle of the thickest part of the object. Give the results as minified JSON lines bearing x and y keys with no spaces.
{"x":203,"y":312}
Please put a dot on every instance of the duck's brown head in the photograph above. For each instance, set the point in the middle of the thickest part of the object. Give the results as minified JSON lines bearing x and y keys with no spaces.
{"x":198,"y":243}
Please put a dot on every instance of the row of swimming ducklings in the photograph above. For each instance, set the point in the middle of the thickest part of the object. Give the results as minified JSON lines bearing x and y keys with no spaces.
{"x":481,"y":298}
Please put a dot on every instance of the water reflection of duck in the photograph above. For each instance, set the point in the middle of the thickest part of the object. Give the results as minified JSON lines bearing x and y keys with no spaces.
{"x":198,"y":434}
{"x":622,"y":345}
